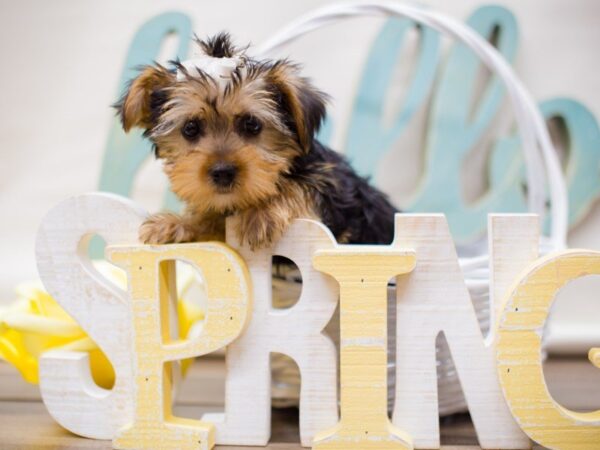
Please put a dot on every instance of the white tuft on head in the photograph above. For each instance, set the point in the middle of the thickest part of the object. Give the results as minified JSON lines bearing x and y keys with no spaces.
{"x":220,"y":69}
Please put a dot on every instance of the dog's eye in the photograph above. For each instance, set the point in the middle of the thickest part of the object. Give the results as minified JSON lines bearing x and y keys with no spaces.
{"x":192,"y":129}
{"x":249,"y":125}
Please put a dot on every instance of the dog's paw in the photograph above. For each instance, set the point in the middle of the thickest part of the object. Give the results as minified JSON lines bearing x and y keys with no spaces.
{"x":261,"y":228}
{"x":165,"y":228}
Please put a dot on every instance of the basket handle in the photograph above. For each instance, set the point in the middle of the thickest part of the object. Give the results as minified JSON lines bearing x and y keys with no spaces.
{"x":541,"y":161}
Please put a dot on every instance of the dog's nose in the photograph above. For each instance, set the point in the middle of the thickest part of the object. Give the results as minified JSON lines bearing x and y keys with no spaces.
{"x":223,"y":174}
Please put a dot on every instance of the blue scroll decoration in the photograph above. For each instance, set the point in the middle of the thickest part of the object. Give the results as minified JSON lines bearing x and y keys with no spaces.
{"x":454,"y":130}
{"x":125,"y":153}
{"x":582,"y":159}
{"x":583,"y":154}
{"x":368,"y":139}
{"x":455,"y":127}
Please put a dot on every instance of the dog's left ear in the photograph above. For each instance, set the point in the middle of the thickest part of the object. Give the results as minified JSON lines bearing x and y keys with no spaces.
{"x":302,"y":105}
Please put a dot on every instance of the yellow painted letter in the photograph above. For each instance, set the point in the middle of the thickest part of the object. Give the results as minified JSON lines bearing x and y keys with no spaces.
{"x":363,"y":273}
{"x":151,"y":270}
{"x":519,"y":354}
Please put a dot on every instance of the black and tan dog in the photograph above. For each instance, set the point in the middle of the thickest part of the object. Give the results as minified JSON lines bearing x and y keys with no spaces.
{"x":245,"y":145}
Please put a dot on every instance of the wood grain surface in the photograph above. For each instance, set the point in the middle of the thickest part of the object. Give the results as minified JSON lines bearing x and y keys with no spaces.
{"x":26,"y":425}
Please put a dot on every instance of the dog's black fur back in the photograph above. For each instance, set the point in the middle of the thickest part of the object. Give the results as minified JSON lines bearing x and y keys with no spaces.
{"x":354,"y":211}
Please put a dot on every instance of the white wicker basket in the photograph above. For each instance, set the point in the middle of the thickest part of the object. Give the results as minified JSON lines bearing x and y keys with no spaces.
{"x":544,"y":178}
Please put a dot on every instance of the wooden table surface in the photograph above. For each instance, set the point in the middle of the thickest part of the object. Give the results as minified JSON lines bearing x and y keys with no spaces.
{"x":25,"y":424}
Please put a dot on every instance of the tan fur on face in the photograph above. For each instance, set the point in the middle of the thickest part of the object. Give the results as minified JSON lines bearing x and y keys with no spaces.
{"x":257,"y":179}
{"x":260,"y":160}
{"x":203,"y":98}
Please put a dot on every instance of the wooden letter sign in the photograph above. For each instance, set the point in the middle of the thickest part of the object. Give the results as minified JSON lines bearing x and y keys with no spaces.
{"x":151,"y":273}
{"x":519,"y":356}
{"x":363,"y":273}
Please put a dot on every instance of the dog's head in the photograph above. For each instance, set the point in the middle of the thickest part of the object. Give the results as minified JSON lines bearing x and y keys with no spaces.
{"x":226,"y":142}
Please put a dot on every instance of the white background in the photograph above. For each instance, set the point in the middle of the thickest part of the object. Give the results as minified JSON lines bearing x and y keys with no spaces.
{"x":62,"y":61}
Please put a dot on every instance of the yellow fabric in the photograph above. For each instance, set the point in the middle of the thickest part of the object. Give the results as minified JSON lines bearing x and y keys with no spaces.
{"x":35,"y":323}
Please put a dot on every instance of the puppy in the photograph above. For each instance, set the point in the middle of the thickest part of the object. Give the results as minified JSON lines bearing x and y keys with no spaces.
{"x":237,"y":137}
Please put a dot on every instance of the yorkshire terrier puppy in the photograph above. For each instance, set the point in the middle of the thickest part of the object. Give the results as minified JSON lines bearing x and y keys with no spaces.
{"x":240,"y":140}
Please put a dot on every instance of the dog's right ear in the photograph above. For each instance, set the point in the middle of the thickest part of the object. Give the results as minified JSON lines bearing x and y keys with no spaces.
{"x":303,"y":104}
{"x":143,"y":98}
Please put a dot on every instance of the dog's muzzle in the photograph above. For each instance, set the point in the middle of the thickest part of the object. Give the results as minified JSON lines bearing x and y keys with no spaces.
{"x":223,"y":174}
